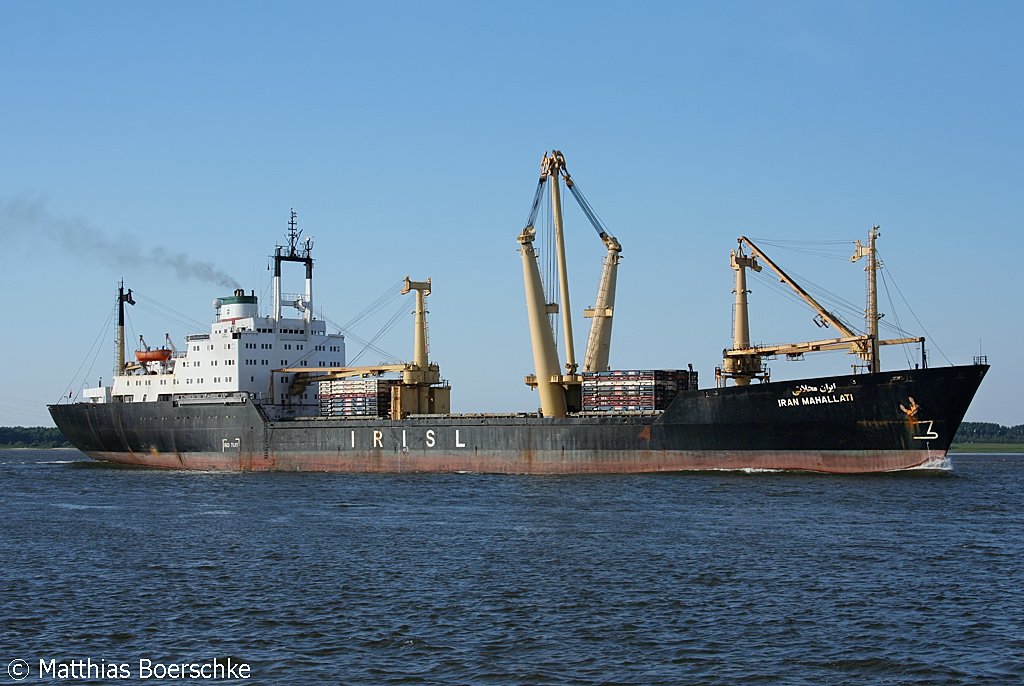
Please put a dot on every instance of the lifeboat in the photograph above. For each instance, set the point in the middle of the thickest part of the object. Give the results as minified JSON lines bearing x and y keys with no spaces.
{"x":158,"y":355}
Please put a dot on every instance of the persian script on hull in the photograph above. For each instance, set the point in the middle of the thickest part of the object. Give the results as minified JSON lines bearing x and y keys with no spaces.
{"x":824,"y":394}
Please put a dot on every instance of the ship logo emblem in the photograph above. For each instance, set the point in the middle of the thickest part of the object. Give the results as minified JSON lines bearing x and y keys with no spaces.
{"x":912,"y":410}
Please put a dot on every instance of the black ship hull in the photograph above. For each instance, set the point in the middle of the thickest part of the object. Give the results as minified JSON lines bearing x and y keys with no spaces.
{"x":845,"y":424}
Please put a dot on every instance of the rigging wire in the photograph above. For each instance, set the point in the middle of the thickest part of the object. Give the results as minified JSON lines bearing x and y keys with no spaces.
{"x":94,"y":351}
{"x":552,"y":293}
{"x":168,"y":314}
{"x":389,"y":295}
{"x":895,"y":314}
{"x":595,"y":219}
{"x":22,"y":410}
{"x":265,"y":294}
{"x":773,"y":284}
{"x":358,"y":339}
{"x":181,"y":324}
{"x":385,"y":355}
{"x":128,"y":321}
{"x":836,"y":305}
{"x":813,"y":248}
{"x":833,"y":302}
{"x":386,"y":298}
{"x":916,"y":319}
{"x":788,"y":242}
{"x":394,"y":319}
{"x":836,"y":302}
{"x":535,"y":207}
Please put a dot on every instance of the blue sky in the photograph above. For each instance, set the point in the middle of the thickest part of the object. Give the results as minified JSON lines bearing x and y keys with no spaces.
{"x":408,"y":137}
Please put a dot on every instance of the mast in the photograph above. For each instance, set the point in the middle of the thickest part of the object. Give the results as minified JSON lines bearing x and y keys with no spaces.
{"x":295,"y":252}
{"x":552,"y":165}
{"x":419,"y":345}
{"x":741,"y":322}
{"x":871,"y":316}
{"x":122,"y":298}
{"x":744,"y":368}
{"x":307,"y":314}
{"x":276,"y":314}
{"x":416,"y":381}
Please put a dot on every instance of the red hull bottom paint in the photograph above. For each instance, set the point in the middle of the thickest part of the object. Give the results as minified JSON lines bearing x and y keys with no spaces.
{"x":595,"y":462}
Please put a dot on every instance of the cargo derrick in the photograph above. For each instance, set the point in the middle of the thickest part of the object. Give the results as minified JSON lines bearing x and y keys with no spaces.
{"x":419,"y":391}
{"x":742,"y":362}
{"x":561,"y":393}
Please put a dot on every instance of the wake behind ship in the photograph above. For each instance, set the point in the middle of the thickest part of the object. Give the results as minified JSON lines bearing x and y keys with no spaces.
{"x":269,"y":392}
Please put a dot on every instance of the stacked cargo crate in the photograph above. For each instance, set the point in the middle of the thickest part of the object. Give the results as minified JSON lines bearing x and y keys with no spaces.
{"x":356,"y":397}
{"x":632,"y":390}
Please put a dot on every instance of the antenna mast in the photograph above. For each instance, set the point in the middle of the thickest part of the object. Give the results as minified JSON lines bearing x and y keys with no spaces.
{"x":295,"y":253}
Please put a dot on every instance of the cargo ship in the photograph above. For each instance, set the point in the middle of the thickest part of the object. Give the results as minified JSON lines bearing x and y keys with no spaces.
{"x":262,"y":392}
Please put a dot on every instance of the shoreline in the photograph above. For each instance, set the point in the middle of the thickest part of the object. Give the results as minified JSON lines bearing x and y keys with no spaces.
{"x":986,"y":448}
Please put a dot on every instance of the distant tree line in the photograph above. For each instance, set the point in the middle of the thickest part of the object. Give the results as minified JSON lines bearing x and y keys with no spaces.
{"x":987,"y":432}
{"x":32,"y":437}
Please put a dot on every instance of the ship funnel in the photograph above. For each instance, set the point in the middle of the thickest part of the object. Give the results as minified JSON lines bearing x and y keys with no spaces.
{"x":237,"y":306}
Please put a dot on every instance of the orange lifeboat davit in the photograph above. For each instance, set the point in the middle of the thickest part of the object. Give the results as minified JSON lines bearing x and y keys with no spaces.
{"x":158,"y":355}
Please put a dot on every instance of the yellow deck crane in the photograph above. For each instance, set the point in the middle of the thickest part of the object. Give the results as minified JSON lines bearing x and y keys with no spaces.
{"x":560,"y":392}
{"x":742,"y":362}
{"x":420,"y":389}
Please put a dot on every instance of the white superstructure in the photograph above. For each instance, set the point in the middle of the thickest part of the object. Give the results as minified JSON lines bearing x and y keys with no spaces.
{"x":237,"y":358}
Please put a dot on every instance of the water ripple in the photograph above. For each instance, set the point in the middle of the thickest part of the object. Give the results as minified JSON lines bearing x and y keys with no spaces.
{"x":711,"y":578}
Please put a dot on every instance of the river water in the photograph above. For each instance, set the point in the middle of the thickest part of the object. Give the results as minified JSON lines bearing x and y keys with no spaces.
{"x":708,"y":578}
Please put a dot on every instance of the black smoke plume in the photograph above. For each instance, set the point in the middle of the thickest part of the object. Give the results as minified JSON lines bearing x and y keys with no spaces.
{"x":30,"y":216}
